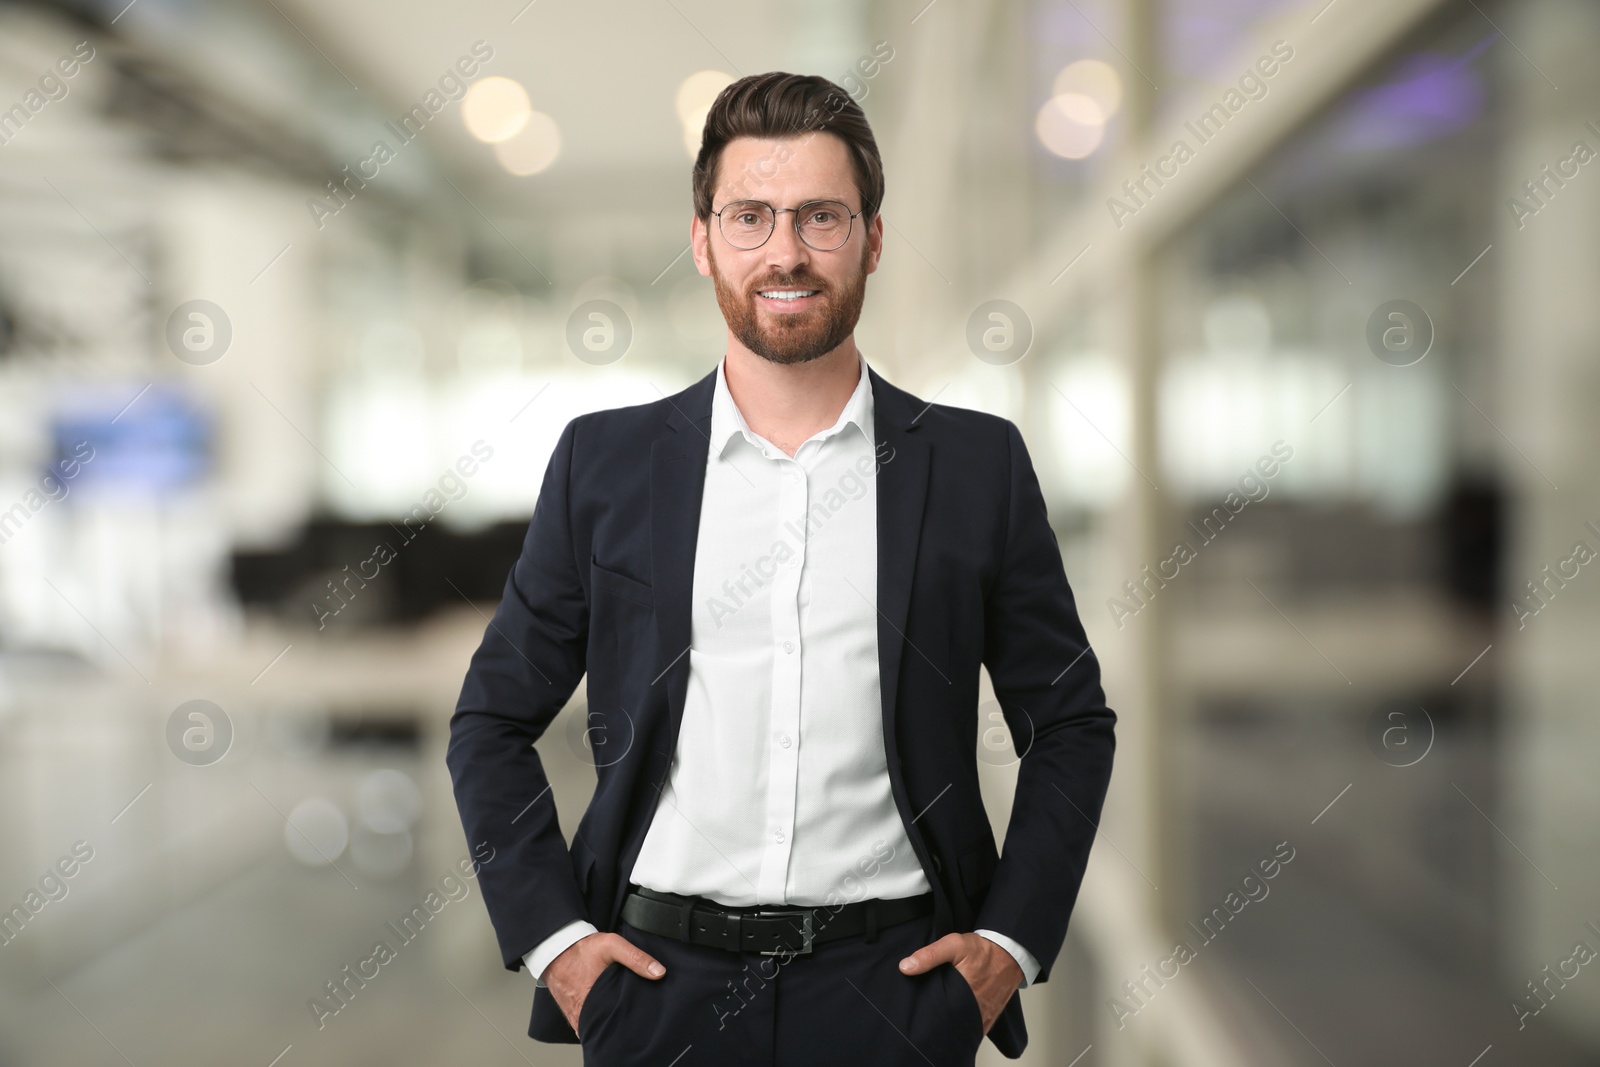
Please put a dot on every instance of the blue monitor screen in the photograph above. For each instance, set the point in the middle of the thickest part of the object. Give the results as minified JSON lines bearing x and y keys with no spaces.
{"x":158,"y":444}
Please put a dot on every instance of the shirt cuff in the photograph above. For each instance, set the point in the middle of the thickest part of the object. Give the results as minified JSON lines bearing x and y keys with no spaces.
{"x":554,"y":945}
{"x":1024,"y":958}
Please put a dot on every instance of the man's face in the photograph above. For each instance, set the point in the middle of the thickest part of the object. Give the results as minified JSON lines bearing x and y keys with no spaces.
{"x":786,"y":173}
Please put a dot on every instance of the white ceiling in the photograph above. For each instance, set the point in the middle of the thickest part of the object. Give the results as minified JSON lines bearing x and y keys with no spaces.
{"x":606,"y":70}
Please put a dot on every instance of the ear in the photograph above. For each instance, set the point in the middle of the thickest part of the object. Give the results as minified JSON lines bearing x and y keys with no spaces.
{"x":874,"y":241}
{"x":699,"y":240}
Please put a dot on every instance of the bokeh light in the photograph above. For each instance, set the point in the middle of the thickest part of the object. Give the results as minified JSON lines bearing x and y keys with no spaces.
{"x":1071,"y":125}
{"x":316,"y":832}
{"x":533,"y":148}
{"x":495,"y":109}
{"x":1093,"y":78}
{"x":695,"y":97}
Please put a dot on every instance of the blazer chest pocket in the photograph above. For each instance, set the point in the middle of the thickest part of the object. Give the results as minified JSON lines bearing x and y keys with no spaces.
{"x":615,"y":583}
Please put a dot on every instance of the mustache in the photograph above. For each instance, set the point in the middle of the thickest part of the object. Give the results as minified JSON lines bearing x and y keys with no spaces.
{"x":800,"y":282}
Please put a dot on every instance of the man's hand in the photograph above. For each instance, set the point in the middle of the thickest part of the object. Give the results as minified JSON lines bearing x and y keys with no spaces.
{"x":991,"y":971}
{"x":571,"y":974}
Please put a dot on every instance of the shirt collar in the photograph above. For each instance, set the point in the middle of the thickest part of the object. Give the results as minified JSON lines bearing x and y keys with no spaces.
{"x":727,"y":420}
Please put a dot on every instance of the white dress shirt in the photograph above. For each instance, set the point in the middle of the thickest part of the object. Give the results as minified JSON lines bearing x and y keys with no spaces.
{"x":778,"y":792}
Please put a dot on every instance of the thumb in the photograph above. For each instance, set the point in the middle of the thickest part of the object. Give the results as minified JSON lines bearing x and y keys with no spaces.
{"x":928,"y":957}
{"x":637,"y":959}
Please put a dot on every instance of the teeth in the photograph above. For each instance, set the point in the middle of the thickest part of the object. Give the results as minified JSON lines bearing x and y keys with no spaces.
{"x":787,"y":294}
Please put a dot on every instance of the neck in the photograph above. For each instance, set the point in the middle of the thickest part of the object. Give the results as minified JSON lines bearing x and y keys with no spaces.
{"x":789,"y":403}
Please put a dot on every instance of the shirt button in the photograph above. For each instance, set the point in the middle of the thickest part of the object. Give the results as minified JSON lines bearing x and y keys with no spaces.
{"x":778,"y":837}
{"x":784,"y":740}
{"x":794,"y":477}
{"x":788,"y":646}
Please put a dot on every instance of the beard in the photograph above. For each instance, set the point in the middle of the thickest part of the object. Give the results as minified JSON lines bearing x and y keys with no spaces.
{"x":797,"y":337}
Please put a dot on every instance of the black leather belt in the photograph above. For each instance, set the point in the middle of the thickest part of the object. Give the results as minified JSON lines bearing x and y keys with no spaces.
{"x":768,"y":929}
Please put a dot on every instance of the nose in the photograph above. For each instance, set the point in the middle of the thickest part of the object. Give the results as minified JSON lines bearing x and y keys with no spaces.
{"x":784,"y":250}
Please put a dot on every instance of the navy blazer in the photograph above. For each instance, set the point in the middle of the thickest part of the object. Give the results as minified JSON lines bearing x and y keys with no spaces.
{"x":969,"y":573}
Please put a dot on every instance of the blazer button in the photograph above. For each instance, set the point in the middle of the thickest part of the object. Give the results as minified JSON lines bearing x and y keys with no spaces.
{"x":937,"y":865}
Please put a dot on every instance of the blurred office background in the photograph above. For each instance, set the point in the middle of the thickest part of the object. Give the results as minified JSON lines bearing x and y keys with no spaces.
{"x":275,"y":405}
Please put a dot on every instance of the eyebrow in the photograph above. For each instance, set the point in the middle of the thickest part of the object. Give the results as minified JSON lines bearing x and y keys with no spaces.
{"x":838,"y":199}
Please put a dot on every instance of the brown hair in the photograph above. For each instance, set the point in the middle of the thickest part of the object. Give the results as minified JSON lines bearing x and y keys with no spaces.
{"x":778,"y":105}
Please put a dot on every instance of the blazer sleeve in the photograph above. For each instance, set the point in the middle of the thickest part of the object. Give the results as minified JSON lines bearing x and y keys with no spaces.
{"x":529,"y":662}
{"x":1047,"y":681}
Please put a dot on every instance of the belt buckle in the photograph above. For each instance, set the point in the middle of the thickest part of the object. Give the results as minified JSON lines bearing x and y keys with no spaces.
{"x":806,"y":932}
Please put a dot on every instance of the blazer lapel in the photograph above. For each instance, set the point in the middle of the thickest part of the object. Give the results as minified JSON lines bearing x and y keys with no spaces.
{"x":677,"y":485}
{"x":902,"y":491}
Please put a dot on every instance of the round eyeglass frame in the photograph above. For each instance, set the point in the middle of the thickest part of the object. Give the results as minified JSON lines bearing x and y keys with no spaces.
{"x":776,"y":211}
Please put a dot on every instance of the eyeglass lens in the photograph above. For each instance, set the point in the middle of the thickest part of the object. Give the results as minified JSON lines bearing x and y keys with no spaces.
{"x":823,"y":224}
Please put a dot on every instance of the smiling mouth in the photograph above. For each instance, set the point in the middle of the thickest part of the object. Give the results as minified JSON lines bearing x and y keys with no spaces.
{"x":788,"y":296}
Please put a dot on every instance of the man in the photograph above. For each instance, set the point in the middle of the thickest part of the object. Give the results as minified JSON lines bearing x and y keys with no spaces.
{"x":782,"y":582}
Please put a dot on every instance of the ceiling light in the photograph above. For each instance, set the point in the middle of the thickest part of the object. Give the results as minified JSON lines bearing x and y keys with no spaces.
{"x":533,"y":148}
{"x":495,"y":109}
{"x":1092,"y":78}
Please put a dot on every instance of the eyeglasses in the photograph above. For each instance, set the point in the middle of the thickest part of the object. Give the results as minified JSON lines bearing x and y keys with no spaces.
{"x":823,"y":224}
